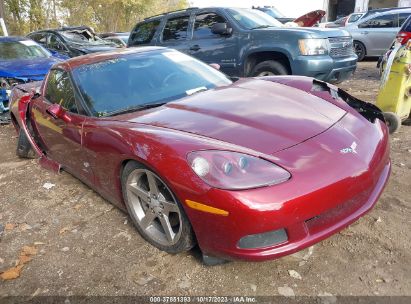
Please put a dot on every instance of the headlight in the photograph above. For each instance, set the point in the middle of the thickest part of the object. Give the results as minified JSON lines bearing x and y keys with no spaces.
{"x":310,"y":47}
{"x":235,"y":171}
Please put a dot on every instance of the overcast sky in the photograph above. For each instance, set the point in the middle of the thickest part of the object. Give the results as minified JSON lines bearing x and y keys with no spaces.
{"x":290,"y":8}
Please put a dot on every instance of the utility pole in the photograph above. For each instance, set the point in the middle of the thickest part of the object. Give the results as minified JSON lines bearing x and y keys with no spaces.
{"x":2,"y":24}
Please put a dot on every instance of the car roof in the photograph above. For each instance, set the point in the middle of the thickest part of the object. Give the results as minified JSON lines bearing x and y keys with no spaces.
{"x":75,"y":62}
{"x":182,"y":11}
{"x":13,"y":38}
{"x":107,"y":34}
{"x":63,"y":29}
{"x":383,"y":13}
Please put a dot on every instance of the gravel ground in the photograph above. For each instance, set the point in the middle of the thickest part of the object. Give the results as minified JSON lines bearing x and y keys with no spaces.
{"x":78,"y":244}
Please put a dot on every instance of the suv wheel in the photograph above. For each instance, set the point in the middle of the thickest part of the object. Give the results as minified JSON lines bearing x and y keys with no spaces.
{"x":359,"y":49}
{"x":269,"y":68}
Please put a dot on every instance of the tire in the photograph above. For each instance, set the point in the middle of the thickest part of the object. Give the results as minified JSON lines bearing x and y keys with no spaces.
{"x":269,"y":68}
{"x":360,"y":50}
{"x":152,"y":206}
{"x":24,"y":149}
{"x":393,"y":121}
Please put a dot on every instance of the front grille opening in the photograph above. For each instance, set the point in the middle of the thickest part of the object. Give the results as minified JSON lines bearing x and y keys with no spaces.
{"x":341,"y":46}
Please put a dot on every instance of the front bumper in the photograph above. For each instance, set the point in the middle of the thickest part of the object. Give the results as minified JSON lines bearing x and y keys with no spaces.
{"x":317,"y":202}
{"x":325,"y":68}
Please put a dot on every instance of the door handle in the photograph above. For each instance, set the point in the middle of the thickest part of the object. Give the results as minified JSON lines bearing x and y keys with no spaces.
{"x":364,"y":33}
{"x":195,"y":48}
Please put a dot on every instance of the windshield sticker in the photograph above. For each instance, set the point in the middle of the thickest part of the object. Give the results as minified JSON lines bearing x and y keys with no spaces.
{"x":28,"y":42}
{"x":177,"y":57}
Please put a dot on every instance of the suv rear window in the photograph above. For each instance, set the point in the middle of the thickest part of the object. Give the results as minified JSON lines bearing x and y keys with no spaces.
{"x":143,"y":33}
{"x":176,"y":29}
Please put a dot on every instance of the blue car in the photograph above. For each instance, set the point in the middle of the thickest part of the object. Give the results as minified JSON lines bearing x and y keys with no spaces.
{"x":21,"y":60}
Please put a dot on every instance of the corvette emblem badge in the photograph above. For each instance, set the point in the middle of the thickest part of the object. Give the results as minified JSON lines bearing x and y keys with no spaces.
{"x":351,"y":149}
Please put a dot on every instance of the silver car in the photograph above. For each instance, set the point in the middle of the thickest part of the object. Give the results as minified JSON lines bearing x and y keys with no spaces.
{"x":374,"y":34}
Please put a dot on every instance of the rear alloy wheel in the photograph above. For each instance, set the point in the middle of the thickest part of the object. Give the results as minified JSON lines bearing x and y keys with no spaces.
{"x":393,"y":121}
{"x":269,"y":68}
{"x":359,"y":49}
{"x":155,"y":211}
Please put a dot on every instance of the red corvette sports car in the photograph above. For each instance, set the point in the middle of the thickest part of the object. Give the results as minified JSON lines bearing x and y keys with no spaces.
{"x":246,"y":168}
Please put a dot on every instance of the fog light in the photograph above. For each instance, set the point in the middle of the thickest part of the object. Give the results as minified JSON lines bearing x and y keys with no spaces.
{"x":265,"y":239}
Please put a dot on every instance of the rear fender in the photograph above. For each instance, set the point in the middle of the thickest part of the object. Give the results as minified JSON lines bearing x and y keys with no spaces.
{"x":23,"y":109}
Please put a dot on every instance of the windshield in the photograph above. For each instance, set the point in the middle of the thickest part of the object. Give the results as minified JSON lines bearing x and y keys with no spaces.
{"x":354,"y":18}
{"x":124,"y":38}
{"x":273,"y":12}
{"x":340,"y":21}
{"x":144,"y":78}
{"x":253,"y":19}
{"x":84,"y":37}
{"x":25,"y":49}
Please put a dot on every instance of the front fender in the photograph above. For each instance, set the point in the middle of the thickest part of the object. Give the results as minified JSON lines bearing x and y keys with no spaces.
{"x":332,"y":94}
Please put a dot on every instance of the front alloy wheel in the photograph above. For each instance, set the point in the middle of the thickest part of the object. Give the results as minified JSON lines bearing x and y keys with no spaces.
{"x":155,"y":211}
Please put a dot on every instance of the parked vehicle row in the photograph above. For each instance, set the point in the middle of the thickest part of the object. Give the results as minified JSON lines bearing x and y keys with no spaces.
{"x":243,"y":42}
{"x":247,"y":42}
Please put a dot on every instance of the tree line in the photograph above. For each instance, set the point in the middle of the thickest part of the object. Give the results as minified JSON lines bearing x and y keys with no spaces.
{"x":24,"y":16}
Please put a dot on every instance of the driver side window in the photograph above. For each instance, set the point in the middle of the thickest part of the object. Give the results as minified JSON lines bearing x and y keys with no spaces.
{"x":59,"y":90}
{"x":203,"y":24}
{"x":55,"y":43}
{"x":384,"y":21}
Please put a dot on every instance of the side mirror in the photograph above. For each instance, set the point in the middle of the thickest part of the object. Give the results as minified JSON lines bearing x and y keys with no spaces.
{"x":221,"y":29}
{"x":58,"y":112}
{"x":215,"y":66}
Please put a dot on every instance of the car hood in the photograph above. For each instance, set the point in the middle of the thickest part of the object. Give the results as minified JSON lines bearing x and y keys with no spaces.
{"x":310,"y":18}
{"x":308,"y":32}
{"x":33,"y":69}
{"x":252,"y":113}
{"x":94,"y":49}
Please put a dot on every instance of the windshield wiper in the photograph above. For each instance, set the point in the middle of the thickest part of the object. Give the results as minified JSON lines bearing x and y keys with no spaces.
{"x":136,"y":108}
{"x":261,"y":27}
{"x":196,"y":90}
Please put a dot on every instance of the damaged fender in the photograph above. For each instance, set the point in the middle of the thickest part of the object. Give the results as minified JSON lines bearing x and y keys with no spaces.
{"x":332,"y":94}
{"x":366,"y":109}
